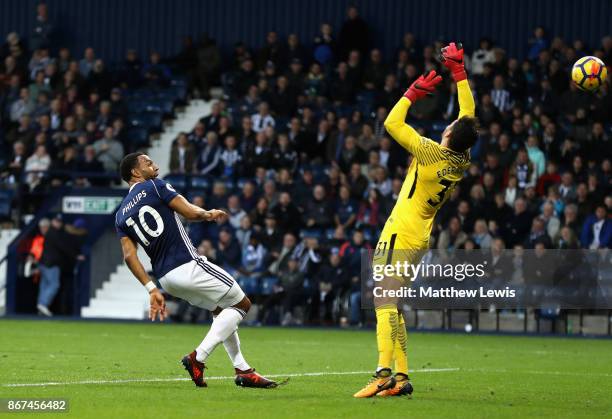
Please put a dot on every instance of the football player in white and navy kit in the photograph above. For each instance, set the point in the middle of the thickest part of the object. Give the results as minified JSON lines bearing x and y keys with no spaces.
{"x":149,"y":217}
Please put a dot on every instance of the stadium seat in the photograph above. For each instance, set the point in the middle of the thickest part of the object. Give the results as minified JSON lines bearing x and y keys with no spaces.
{"x":439,"y":126}
{"x":249,"y":285}
{"x":138,"y":136}
{"x":179,"y":182}
{"x":6,"y":196}
{"x":135,"y":105}
{"x":312,"y":232}
{"x":200,"y":182}
{"x":230,"y":186}
{"x":195,"y":192}
{"x":267,"y":285}
{"x":241,"y":182}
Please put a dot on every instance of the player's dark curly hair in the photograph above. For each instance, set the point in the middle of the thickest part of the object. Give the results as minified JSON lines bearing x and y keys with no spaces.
{"x":128,"y":163}
{"x":464,"y":134}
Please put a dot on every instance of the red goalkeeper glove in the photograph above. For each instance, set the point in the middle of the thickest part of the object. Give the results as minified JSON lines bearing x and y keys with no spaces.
{"x":423,"y":86}
{"x":452,"y":58}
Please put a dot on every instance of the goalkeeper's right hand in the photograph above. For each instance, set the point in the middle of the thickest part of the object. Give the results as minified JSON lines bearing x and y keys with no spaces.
{"x":452,"y":58}
{"x":423,"y":86}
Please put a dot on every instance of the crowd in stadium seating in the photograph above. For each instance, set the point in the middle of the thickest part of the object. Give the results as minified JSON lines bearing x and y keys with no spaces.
{"x":70,"y":120}
{"x":297,"y":153}
{"x":296,"y":150}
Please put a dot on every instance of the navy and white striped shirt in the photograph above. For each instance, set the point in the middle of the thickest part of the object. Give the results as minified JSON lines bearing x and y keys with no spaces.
{"x":501,"y":99}
{"x":145,"y":217}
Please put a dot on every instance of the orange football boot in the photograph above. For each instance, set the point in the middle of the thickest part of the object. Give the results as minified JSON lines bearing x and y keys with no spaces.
{"x":382,"y":380}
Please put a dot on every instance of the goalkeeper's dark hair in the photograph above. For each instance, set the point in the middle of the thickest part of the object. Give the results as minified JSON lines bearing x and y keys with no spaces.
{"x":464,"y":134}
{"x":128,"y":163}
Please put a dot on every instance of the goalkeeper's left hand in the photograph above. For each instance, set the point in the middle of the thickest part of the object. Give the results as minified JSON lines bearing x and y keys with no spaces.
{"x":423,"y":86}
{"x":452,"y":58}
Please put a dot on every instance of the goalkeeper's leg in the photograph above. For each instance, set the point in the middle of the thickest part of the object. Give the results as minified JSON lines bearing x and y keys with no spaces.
{"x":402,"y":383}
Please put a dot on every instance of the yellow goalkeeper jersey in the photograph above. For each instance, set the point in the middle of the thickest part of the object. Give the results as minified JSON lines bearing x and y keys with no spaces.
{"x":433,"y":174}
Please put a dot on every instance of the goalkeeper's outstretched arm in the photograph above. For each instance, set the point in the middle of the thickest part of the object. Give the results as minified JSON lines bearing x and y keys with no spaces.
{"x":452,"y":58}
{"x":467,"y":107}
{"x":395,"y":124}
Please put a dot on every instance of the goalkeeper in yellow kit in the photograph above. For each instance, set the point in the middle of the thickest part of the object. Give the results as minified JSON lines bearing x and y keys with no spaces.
{"x":433,"y":174}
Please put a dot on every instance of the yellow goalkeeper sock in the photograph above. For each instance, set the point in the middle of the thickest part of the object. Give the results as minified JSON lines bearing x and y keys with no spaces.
{"x":400,"y":353}
{"x":386,"y":334}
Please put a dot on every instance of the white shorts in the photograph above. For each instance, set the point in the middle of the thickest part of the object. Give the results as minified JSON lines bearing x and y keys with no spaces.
{"x":202,"y":284}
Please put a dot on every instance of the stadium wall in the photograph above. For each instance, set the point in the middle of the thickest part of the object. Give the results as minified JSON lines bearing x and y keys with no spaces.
{"x":112,"y":26}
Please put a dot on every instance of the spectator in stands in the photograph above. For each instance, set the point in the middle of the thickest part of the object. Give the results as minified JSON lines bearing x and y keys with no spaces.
{"x":500,"y":96}
{"x":481,"y":56}
{"x":345,"y":213}
{"x":208,"y":65}
{"x":55,"y":255}
{"x":229,"y":254}
{"x":109,"y":151}
{"x":209,"y":160}
{"x":87,"y":62}
{"x":288,"y":293}
{"x":286,"y":213}
{"x":182,"y":155}
{"x":551,"y":221}
{"x":538,"y":234}
{"x":278,"y":257}
{"x":597,"y":230}
{"x":318,"y":212}
{"x":37,"y":165}
{"x":332,"y":280}
{"x":262,"y":118}
{"x":155,"y":73}
{"x":481,"y":235}
{"x":353,"y":34}
{"x":236,"y":214}
{"x":253,"y":257}
{"x":451,"y":238}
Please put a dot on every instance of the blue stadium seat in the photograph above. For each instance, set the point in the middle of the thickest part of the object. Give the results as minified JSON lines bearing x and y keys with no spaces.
{"x":195,"y":192}
{"x":138,"y":136}
{"x":200,"y":182}
{"x":439,"y":126}
{"x":175,"y":92}
{"x":267,"y":285}
{"x":179,"y":182}
{"x":153,"y":119}
{"x":6,"y":196}
{"x":249,"y":285}
{"x":241,"y":182}
{"x":135,"y":105}
{"x":153,"y":106}
{"x":230,"y":186}
{"x":312,"y":232}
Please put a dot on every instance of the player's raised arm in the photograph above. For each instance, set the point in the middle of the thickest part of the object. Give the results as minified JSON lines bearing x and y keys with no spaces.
{"x":452,"y":58}
{"x":194,"y":213}
{"x":130,"y":255}
{"x":395,"y":123}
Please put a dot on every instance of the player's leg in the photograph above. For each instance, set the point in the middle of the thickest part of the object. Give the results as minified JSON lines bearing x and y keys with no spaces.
{"x":232,"y":347}
{"x":224,"y":325}
{"x":231,"y":308}
{"x":402,"y":381}
{"x":387,"y":322}
{"x":205,"y":285}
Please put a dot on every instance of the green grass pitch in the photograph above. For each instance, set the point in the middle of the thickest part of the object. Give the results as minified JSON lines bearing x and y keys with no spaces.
{"x":133,"y":372}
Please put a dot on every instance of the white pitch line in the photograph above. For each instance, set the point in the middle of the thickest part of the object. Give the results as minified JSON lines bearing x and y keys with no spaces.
{"x":164,"y":380}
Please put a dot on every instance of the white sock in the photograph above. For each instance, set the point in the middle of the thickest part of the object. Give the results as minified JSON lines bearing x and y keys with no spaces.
{"x":222,"y":327}
{"x":232,"y":347}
